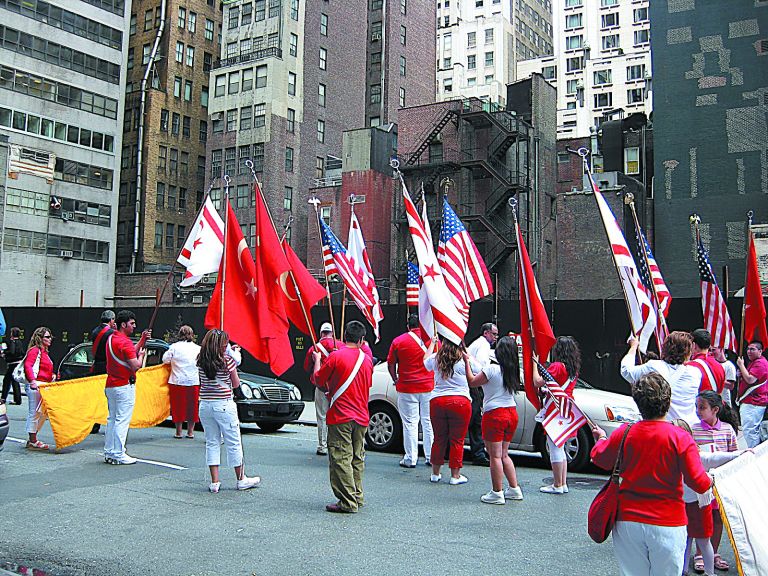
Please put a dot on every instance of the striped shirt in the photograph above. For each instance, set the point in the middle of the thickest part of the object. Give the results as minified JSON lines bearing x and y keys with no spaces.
{"x":220,"y":387}
{"x":721,"y":435}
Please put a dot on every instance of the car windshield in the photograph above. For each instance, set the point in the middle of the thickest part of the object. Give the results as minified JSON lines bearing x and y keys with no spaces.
{"x":581,"y":384}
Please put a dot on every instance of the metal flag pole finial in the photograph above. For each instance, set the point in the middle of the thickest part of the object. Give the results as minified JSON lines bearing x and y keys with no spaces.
{"x":694,"y":218}
{"x":750,"y":215}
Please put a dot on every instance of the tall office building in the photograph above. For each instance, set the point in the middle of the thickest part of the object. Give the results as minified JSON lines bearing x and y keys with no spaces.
{"x":292,"y":77}
{"x":480,"y":42}
{"x":172,"y":47}
{"x":601,"y":64}
{"x":62,"y":73}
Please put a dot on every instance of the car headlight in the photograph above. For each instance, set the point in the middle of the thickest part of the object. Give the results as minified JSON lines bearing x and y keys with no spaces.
{"x":295,"y":393}
{"x":621,"y":414}
{"x":257,"y":394}
{"x":246,"y":390}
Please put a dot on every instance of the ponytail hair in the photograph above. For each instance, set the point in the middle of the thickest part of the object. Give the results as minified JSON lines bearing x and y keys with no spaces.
{"x":724,"y":412}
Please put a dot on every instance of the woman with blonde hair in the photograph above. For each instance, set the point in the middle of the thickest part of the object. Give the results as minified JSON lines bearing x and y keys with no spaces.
{"x":38,"y":369}
{"x":218,"y":412}
{"x":184,"y":381}
{"x":450,"y":408}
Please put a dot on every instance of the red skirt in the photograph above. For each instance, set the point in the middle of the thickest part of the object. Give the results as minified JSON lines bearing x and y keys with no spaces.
{"x":699,"y":520}
{"x":184,"y":400}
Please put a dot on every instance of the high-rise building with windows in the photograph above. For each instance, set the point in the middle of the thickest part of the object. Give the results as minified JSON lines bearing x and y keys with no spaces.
{"x":172,"y":47}
{"x":479,"y":43}
{"x":62,"y":73}
{"x":601,"y":64}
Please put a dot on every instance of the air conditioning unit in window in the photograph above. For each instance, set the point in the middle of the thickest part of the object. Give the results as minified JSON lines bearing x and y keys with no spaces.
{"x":65,"y":253}
{"x":67,"y":215}
{"x":217,"y":116}
{"x":375,"y":36}
{"x":197,"y":299}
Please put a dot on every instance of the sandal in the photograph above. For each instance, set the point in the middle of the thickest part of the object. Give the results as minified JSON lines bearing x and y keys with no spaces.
{"x":178,"y":436}
{"x":40,"y":446}
{"x":698,"y":564}
{"x":721,"y":564}
{"x":191,"y":436}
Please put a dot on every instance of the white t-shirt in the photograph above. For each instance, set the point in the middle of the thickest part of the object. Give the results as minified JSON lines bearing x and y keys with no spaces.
{"x":494,"y":393}
{"x":730,"y":374}
{"x":456,"y":385}
{"x":480,"y":351}
{"x":182,"y":356}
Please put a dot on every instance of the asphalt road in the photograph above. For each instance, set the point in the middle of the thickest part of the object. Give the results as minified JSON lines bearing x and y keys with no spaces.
{"x":72,"y":514}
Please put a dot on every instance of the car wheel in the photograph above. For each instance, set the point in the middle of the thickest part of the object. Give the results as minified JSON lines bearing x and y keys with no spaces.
{"x":385,"y":429}
{"x":577,"y":449}
{"x":269,"y":426}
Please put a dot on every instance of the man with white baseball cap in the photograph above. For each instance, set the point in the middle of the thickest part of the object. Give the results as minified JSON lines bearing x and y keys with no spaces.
{"x":325,"y":345}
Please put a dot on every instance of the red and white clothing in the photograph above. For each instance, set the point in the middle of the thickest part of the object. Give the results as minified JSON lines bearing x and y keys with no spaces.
{"x":712,"y":372}
{"x":220,"y":386}
{"x":352,"y":404}
{"x":120,"y":350}
{"x":721,"y":436}
{"x":499,"y":407}
{"x":658,"y":457}
{"x":759,"y":397}
{"x":450,"y":419}
{"x":560,"y":373}
{"x":455,"y":385}
{"x":407,"y":351}
{"x":45,"y":370}
{"x":325,"y":346}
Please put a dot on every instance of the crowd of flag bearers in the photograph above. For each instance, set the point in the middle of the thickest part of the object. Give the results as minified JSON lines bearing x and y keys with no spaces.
{"x":261,"y":289}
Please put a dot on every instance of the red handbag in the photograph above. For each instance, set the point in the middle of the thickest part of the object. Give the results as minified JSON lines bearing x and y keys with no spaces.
{"x":605,"y":507}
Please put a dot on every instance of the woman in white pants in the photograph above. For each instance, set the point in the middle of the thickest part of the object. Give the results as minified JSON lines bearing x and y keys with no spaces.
{"x":218,"y":412}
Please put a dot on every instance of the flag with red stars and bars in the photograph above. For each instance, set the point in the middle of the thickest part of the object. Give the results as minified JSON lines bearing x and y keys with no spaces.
{"x":412,"y":286}
{"x":463,"y":268}
{"x":650,"y":275}
{"x":716,"y":317}
{"x":204,"y":246}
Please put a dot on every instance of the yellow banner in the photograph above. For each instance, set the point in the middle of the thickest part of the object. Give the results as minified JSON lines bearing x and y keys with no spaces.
{"x":74,"y":406}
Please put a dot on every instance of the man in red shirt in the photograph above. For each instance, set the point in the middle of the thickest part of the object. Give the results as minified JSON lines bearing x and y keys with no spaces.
{"x":712,"y":372}
{"x":414,"y":384}
{"x":123,"y":360}
{"x":325,"y":346}
{"x":346,"y":377}
{"x":753,"y":392}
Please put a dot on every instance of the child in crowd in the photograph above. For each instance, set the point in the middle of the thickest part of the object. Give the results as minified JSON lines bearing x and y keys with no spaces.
{"x":716,"y":432}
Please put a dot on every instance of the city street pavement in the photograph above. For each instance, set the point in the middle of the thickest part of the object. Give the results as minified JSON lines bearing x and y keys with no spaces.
{"x":72,"y":514}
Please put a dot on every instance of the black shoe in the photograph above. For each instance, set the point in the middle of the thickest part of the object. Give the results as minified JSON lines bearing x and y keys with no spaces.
{"x":481,"y":461}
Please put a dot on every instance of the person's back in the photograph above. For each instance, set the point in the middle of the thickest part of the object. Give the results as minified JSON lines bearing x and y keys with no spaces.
{"x":407,"y":350}
{"x":352,"y":404}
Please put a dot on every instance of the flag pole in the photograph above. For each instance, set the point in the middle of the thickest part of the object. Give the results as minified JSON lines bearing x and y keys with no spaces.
{"x":521,"y":270}
{"x":159,"y":297}
{"x":227,"y":180}
{"x":750,"y":214}
{"x":407,"y":307}
{"x":630,"y":199}
{"x":315,"y":203}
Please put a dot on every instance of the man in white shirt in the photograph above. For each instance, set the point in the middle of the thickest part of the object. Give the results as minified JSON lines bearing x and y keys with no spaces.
{"x":480,"y":352}
{"x":730,"y":372}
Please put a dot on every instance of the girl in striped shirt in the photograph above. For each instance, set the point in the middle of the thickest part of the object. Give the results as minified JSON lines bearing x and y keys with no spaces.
{"x":218,"y":412}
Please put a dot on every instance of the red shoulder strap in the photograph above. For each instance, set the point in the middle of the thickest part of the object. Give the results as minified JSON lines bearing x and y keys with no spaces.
{"x":99,"y":338}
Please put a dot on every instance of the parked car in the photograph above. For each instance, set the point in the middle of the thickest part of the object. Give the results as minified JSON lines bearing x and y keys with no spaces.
{"x":4,"y":426}
{"x":268,"y":402}
{"x":607,"y":409}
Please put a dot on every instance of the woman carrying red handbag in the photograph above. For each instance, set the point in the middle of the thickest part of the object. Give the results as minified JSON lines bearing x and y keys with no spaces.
{"x":649,"y":536}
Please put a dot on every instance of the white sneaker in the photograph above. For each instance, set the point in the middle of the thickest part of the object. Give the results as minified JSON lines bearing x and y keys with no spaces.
{"x":434,"y":478}
{"x":126,"y":460}
{"x":515,"y":493}
{"x":565,"y":488}
{"x":456,"y":481}
{"x":493,"y":497}
{"x":246,"y":483}
{"x":552,"y":489}
{"x":214,"y":487}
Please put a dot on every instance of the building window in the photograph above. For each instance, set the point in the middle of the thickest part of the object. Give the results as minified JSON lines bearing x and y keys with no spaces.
{"x":471,"y":62}
{"x":402,"y":65}
{"x":321,"y":95}
{"x":294,"y":10}
{"x":293,"y":48}
{"x":179,"y":52}
{"x":172,"y":197}
{"x":572,"y":3}
{"x":325,"y":214}
{"x":403,"y":34}
{"x":288,"y":198}
{"x":489,"y":36}
{"x":642,"y":36}
{"x":163,"y":120}
{"x":173,"y":162}
{"x":160,"y":196}
{"x":258,"y":156}
{"x":290,"y":121}
{"x":603,"y":100}
{"x":158,"y":231}
{"x":203,"y":133}
{"x":204,"y":97}
{"x":288,"y":159}
{"x":632,"y":160}
{"x":323,"y":59}
{"x":489,"y":58}
{"x":192,"y":22}
{"x":571,"y":86}
{"x":234,"y":83}
{"x":247,"y":79}
{"x":175,"y":123}
{"x":190,"y":56}
{"x":177,"y":87}
{"x":403,"y":7}
{"x":246,"y":115}
{"x":247,"y":12}
{"x":573,"y":42}
{"x":376,"y":4}
{"x":230,"y":160}
{"x":231,"y":120}
{"x":549,"y":72}
{"x":169,"y":229}
{"x":610,"y":42}
{"x":220,"y":85}
{"x":207,"y":61}
{"x":635,"y":96}
{"x":291,"y":84}
{"x":606,"y":3}
{"x":610,"y":20}
{"x":209,"y":30}
{"x":244,"y":153}
{"x":472,"y":81}
{"x":182,"y":21}
{"x":129,"y":63}
{"x":635,"y":72}
{"x":234,"y":17}
{"x":261,"y":76}
{"x":447,"y":84}
{"x":602,"y":77}
{"x":148,"y":18}
{"x":260,"y":12}
{"x":132,"y":26}
{"x":260,"y":115}
{"x":146,"y":51}
{"x":216,"y":158}
{"x":641,"y":14}
{"x":319,"y":167}
{"x":375,"y":31}
{"x":402,"y":97}
{"x":488,"y":78}
{"x":573,"y":21}
{"x":573,"y":64}
{"x":376,"y":94}
{"x":188,"y":90}
{"x":324,"y":24}
{"x":321,"y":131}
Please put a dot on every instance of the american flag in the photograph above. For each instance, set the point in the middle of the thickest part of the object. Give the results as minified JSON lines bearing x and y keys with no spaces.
{"x":716,"y":317}
{"x":412,"y":286}
{"x":650,"y":274}
{"x":30,"y":161}
{"x":448,"y":320}
{"x":338,"y":261}
{"x":642,"y":314}
{"x":357,"y":251}
{"x":562,"y":417}
{"x":463,"y":268}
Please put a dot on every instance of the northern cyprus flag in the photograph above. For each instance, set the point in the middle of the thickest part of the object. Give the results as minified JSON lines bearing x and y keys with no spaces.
{"x":204,"y":246}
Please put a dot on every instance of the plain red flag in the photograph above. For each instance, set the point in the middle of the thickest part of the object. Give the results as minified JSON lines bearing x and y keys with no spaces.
{"x":535,"y":330}
{"x":254,"y":314}
{"x":754,"y":307}
{"x":310,"y":289}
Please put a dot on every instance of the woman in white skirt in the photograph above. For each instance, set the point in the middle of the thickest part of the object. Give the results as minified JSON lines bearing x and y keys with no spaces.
{"x":218,"y":412}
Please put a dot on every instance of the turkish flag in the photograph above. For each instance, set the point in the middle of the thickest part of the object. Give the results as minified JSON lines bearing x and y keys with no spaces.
{"x":254,"y":314}
{"x":535,"y":331}
{"x":754,"y":307}
{"x":309,"y":289}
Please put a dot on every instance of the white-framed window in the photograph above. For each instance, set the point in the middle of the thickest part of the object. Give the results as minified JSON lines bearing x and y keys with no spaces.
{"x":234,"y":83}
{"x":571,"y":86}
{"x":549,"y":72}
{"x":471,"y":39}
{"x":192,"y":22}
{"x":642,"y":36}
{"x":635,"y":72}
{"x":324,"y":24}
{"x":471,"y":81}
{"x":402,"y":97}
{"x":321,"y":95}
{"x":640,"y":14}
{"x":573,"y":21}
{"x":293,"y":48}
{"x":182,"y":23}
{"x":247,"y":79}
{"x":447,"y":84}
{"x":632,"y":160}
{"x":489,"y":58}
{"x":606,"y":3}
{"x":610,"y":42}
{"x":602,"y":77}
{"x":572,"y":3}
{"x":190,"y":56}
{"x":321,"y":131}
{"x":179,"y":51}
{"x":323,"y":59}
{"x":209,"y":24}
{"x":291,"y":83}
{"x":574,"y":63}
{"x":220,"y":85}
{"x":489,"y":36}
{"x":573,"y":42}
{"x":290,"y":121}
{"x":471,"y":62}
{"x":635,"y":96}
{"x":261,"y":76}
{"x":610,"y":20}
{"x":603,"y":100}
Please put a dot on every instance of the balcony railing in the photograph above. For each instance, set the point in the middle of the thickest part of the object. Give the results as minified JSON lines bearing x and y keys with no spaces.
{"x":272,"y":51}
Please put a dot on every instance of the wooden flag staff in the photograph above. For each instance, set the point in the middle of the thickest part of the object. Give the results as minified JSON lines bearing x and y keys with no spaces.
{"x":315,"y":202}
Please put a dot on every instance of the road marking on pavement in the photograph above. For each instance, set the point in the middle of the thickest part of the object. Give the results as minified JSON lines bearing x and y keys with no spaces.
{"x":19,"y":440}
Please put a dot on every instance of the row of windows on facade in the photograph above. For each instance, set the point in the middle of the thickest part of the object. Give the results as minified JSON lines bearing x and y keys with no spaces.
{"x":247,"y":12}
{"x":169,"y":160}
{"x":53,"y":130}
{"x":607,"y":20}
{"x":55,"y":91}
{"x":53,"y":53}
{"x":635,"y":72}
{"x":631,"y":159}
{"x":127,"y":197}
{"x":535,"y":16}
{"x":375,"y":96}
{"x":254,"y":44}
{"x":478,"y":3}
{"x":635,"y":97}
{"x":232,"y":160}
{"x":183,"y":21}
{"x":68,"y":21}
{"x":542,"y":43}
{"x":471,"y":61}
{"x":378,"y":4}
{"x":609,"y":42}
{"x":70,"y":209}
{"x":603,"y":3}
{"x":471,"y":81}
{"x":15,"y":240}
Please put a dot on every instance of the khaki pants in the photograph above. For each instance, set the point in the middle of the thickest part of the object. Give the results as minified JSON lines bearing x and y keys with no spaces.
{"x":346,"y":462}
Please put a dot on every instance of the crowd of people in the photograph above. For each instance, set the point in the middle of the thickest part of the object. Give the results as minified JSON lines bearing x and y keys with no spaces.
{"x":666,"y":512}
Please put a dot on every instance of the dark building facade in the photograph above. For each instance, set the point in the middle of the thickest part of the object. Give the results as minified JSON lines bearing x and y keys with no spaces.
{"x":710,"y":86}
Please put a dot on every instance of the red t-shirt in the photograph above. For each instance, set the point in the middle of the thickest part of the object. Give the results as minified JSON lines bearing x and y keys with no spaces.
{"x":560,"y":374}
{"x":758,"y":369}
{"x":329,"y":344}
{"x":352,"y":404}
{"x":658,"y":456}
{"x":715,"y":369}
{"x":118,"y":371}
{"x":408,"y":354}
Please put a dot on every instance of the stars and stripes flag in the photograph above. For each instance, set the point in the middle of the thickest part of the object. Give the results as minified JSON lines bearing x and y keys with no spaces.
{"x":202,"y":251}
{"x":716,"y":317}
{"x":357,"y":251}
{"x":412,"y":286}
{"x":463,"y":268}
{"x":642,"y":314}
{"x":337,"y":260}
{"x":448,"y":320}
{"x":30,"y":161}
{"x":650,"y":275}
{"x":562,"y":417}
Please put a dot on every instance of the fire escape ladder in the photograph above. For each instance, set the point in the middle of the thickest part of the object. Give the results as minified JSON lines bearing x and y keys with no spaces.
{"x":429,"y":137}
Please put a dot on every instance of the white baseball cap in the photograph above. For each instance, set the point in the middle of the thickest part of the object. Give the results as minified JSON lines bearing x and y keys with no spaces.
{"x":326,"y":327}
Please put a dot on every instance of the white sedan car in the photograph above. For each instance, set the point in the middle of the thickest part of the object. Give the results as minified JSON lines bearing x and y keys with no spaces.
{"x":607,"y":409}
